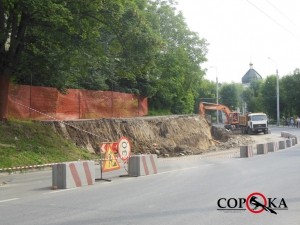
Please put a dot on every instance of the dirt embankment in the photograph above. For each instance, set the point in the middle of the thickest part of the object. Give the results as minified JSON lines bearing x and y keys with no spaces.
{"x":227,"y":139}
{"x":162,"y":135}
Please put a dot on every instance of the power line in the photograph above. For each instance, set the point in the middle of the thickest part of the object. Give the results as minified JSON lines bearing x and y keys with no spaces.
{"x":283,"y":14}
{"x":272,"y":19}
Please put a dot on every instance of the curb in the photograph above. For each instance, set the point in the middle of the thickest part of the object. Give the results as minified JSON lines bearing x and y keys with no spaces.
{"x":25,"y":168}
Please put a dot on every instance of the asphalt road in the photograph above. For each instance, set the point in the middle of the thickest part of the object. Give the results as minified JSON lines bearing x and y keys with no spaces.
{"x":186,"y":191}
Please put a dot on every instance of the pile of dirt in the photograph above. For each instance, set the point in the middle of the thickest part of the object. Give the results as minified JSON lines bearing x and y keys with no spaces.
{"x":162,"y":135}
{"x":227,"y":139}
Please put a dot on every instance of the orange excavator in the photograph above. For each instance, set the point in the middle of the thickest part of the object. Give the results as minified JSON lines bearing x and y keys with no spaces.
{"x":232,"y":117}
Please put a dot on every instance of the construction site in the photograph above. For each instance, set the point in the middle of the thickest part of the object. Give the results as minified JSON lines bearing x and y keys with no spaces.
{"x":165,"y":136}
{"x":97,"y":117}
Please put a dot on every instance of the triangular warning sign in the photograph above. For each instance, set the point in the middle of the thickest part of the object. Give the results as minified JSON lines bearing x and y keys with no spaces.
{"x":110,"y":161}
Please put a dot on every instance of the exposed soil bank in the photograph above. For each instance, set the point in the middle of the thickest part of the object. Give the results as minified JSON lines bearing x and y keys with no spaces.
{"x":163,"y":135}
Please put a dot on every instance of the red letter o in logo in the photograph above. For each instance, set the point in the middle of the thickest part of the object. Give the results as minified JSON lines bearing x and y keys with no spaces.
{"x":248,"y":203}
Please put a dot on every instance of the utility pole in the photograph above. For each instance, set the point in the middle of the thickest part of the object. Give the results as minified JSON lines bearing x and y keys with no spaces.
{"x":217,"y":91}
{"x":277,"y":95}
{"x":277,"y":91}
{"x":217,"y":97}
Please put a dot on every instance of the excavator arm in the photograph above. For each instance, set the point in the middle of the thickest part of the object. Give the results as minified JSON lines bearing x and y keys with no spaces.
{"x":232,"y":117}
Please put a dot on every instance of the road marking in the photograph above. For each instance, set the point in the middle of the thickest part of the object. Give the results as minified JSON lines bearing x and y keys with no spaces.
{"x":205,"y":156}
{"x":170,"y":171}
{"x":8,"y":200}
{"x":62,"y":190}
{"x":176,"y":170}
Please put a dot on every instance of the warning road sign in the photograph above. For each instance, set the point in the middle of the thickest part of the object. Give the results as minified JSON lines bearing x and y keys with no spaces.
{"x":124,"y":148}
{"x":105,"y":145}
{"x":110,"y":161}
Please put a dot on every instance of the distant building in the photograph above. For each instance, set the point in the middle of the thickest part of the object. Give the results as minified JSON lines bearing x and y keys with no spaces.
{"x":250,"y":76}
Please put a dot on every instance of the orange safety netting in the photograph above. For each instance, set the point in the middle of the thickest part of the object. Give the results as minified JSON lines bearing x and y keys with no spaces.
{"x":44,"y":103}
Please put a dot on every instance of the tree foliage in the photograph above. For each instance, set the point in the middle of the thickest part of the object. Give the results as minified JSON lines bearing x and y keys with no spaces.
{"x":262,"y":95}
{"x":105,"y":45}
{"x":229,"y":95}
{"x":252,"y":96}
{"x":289,"y":94}
{"x":137,"y":46}
{"x":178,"y":74}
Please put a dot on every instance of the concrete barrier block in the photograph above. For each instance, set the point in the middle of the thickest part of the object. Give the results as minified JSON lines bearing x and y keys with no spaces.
{"x":73,"y":174}
{"x":142,"y":165}
{"x":246,"y":151}
{"x":272,"y":146}
{"x":261,"y":149}
{"x":293,"y":141}
{"x":283,"y":134}
{"x":281,"y":145}
{"x":288,"y":143}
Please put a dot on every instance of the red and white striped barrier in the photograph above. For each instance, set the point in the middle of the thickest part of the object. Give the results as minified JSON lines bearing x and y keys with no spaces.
{"x":293,"y":141}
{"x":246,"y":151}
{"x":261,"y":149}
{"x":288,"y":143}
{"x":272,"y":146}
{"x":289,"y":136}
{"x":73,"y":174}
{"x":142,"y":165}
{"x":281,"y":145}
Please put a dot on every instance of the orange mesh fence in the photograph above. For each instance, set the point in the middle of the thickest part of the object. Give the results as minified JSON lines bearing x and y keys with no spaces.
{"x":68,"y":105}
{"x":44,"y":103}
{"x":143,"y":106}
{"x":21,"y":95}
{"x":43,"y":99}
{"x":124,"y":105}
{"x":95,"y":104}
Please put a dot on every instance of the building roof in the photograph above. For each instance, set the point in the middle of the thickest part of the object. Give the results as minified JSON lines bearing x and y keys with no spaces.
{"x":251,"y":75}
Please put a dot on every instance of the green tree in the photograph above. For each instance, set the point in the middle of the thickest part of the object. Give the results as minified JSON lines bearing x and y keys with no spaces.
{"x":208,"y":91}
{"x":294,"y":99}
{"x":177,"y":72}
{"x":95,"y":44}
{"x":252,"y":96}
{"x":289,"y":100}
{"x":269,"y":96}
{"x":229,"y":95}
{"x":16,"y":17}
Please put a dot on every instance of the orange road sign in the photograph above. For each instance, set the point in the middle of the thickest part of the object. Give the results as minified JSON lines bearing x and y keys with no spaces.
{"x":104,"y":146}
{"x":110,"y":162}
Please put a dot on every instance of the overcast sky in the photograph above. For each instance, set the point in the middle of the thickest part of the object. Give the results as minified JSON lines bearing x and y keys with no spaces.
{"x":244,"y":31}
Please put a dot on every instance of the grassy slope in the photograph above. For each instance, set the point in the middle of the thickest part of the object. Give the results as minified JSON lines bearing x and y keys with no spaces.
{"x":24,"y":143}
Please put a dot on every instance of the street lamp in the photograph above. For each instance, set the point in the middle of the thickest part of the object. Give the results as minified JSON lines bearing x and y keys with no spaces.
{"x":277,"y":91}
{"x":217,"y":91}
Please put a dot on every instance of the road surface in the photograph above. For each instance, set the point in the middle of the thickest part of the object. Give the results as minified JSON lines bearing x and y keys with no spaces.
{"x":186,"y":191}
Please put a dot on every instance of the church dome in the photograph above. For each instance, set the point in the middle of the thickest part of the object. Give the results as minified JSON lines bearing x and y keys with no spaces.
{"x":251,"y":75}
